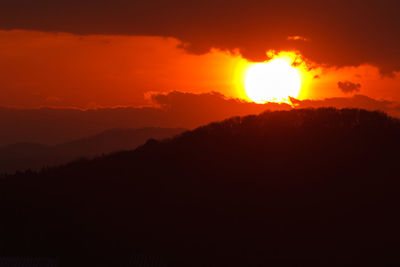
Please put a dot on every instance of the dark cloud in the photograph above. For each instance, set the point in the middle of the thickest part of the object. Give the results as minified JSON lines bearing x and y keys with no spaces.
{"x":181,"y":110}
{"x":349,"y":87}
{"x":357,"y":101}
{"x":341,"y":33}
{"x":172,"y":110}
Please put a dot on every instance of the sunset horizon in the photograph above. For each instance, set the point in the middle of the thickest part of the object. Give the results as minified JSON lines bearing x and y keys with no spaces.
{"x":171,"y":133}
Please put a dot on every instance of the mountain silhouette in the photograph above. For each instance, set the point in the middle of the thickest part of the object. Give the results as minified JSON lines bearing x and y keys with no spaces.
{"x":22,"y":156}
{"x":307,"y":187}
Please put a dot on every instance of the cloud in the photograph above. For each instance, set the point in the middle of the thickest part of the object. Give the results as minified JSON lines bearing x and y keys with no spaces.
{"x":175,"y":109}
{"x":198,"y":109}
{"x":343,"y":33}
{"x":357,"y":101}
{"x":349,"y":87}
{"x":107,"y":70}
{"x":297,"y":38}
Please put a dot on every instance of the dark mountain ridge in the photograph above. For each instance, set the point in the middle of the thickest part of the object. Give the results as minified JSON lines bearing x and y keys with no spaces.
{"x":289,"y":188}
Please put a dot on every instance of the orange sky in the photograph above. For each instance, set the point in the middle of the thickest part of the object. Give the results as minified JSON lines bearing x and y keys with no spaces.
{"x":60,"y":69}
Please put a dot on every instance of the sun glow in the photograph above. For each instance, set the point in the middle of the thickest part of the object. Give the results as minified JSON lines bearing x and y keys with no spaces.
{"x":273,"y":81}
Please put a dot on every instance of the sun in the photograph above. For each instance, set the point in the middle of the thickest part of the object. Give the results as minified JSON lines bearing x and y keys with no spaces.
{"x":273,"y":81}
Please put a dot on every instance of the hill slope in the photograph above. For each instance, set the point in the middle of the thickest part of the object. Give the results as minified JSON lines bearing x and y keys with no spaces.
{"x":293,"y":188}
{"x":22,"y":156}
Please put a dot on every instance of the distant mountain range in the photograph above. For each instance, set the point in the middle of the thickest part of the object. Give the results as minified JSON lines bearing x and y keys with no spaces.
{"x":51,"y":126}
{"x":22,"y":156}
{"x":287,"y":188}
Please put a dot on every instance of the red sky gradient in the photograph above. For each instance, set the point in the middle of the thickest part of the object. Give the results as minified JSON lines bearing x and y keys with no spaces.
{"x":62,"y":69}
{"x":98,"y":70}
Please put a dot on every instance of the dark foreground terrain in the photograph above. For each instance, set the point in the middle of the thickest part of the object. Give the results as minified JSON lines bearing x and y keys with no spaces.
{"x":292,"y":188}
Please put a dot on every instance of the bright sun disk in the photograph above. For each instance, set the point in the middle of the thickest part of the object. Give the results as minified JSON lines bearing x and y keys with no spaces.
{"x":273,"y":81}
